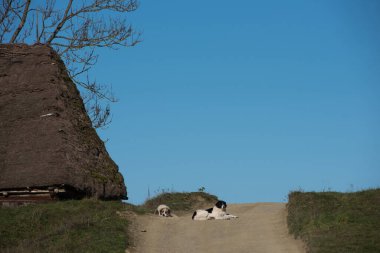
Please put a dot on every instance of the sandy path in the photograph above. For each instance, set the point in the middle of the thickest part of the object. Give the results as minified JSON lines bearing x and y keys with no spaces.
{"x":260,"y":228}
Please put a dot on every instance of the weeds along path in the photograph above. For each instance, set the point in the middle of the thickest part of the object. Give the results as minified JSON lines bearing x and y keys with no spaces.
{"x":260,"y":228}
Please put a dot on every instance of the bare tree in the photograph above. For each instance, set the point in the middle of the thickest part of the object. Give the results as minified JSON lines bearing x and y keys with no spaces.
{"x":75,"y":29}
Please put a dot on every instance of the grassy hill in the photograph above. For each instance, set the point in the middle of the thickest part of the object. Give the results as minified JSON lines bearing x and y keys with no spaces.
{"x":67,"y":226}
{"x":332,"y":222}
{"x":82,"y":225}
{"x":181,"y":201}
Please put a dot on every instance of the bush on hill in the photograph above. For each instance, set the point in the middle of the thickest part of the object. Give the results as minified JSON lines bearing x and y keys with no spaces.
{"x":181,"y":201}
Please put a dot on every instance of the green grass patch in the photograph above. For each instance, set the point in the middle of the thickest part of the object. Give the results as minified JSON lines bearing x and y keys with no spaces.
{"x":67,"y":226}
{"x":332,"y":222}
{"x":181,"y":201}
{"x":82,"y":225}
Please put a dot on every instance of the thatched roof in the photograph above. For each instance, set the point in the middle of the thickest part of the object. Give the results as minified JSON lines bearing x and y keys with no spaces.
{"x":46,"y":137}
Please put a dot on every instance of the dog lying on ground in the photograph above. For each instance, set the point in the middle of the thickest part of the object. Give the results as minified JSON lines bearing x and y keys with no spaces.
{"x":163,"y":210}
{"x":218,"y":212}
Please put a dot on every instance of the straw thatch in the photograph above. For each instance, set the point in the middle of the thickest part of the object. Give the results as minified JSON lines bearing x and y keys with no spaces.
{"x":46,"y":137}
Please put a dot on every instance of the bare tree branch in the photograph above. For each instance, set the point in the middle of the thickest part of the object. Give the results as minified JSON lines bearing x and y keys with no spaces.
{"x":7,"y":7}
{"x":22,"y":22}
{"x":75,"y":32}
{"x":8,"y":17}
{"x":63,"y":21}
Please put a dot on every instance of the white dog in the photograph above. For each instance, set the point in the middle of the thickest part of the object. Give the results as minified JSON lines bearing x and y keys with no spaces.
{"x":163,"y":210}
{"x":218,"y":212}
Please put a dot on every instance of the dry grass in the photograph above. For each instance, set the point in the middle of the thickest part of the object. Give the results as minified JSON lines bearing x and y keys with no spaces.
{"x":181,"y":201}
{"x":82,"y":225}
{"x":332,"y":222}
{"x":67,"y":226}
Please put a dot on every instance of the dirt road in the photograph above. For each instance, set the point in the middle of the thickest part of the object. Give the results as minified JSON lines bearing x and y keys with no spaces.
{"x":260,"y":228}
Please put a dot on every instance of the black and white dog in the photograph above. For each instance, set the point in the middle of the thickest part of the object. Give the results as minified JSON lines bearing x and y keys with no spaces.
{"x":218,"y":212}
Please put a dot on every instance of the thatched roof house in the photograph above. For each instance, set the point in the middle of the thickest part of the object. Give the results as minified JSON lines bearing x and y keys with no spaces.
{"x":46,"y":137}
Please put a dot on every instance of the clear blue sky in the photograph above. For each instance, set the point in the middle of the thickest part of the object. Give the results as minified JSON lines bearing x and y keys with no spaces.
{"x":250,"y":99}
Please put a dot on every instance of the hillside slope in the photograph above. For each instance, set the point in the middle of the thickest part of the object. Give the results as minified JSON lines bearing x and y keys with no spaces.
{"x":334,"y":222}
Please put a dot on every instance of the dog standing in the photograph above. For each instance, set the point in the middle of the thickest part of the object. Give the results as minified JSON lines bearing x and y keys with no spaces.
{"x":218,"y":212}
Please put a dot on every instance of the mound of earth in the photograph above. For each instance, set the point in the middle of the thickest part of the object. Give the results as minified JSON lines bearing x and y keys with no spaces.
{"x":182,"y":201}
{"x":46,"y":136}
